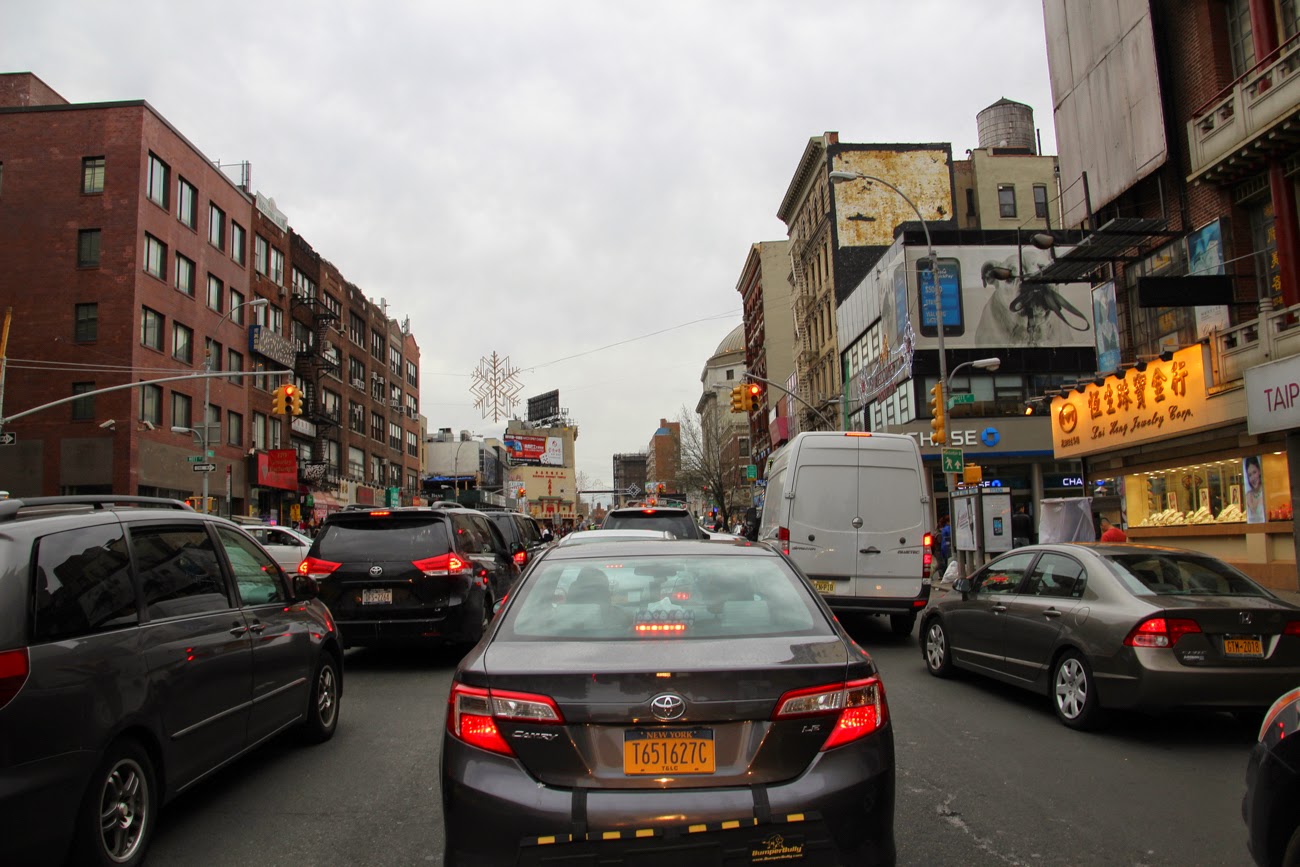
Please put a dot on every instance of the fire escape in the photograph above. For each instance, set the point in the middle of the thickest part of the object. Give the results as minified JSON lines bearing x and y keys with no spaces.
{"x":311,"y":365}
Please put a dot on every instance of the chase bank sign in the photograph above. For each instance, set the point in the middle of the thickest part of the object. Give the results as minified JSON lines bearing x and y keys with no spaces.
{"x":1013,"y":435}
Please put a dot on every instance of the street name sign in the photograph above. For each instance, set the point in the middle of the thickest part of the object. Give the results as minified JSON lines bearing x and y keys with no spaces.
{"x":958,"y":399}
{"x":195,"y":459}
{"x":953,"y":460}
{"x":205,"y":468}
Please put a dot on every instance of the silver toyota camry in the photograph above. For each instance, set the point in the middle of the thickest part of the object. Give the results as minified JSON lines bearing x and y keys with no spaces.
{"x":1101,"y":626}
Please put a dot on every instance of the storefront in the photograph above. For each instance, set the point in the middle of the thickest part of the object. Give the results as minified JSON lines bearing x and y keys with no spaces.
{"x":1171,"y":459}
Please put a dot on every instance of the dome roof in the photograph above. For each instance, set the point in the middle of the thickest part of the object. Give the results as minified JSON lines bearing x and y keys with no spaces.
{"x":733,"y":342}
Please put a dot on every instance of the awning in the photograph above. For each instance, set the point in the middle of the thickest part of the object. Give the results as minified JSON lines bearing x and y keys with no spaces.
{"x":1120,"y":240}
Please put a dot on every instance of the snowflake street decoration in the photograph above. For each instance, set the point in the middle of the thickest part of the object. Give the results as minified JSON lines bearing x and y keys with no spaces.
{"x":494,"y":386}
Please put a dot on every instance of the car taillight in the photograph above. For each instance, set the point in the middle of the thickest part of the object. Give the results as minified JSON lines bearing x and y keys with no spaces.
{"x":440,"y":566}
{"x":1292,"y":628}
{"x":14,"y":668}
{"x":314,"y":567}
{"x":927,"y":556}
{"x":521,"y":557}
{"x":1160,"y":632}
{"x":472,"y":714}
{"x":860,"y":705}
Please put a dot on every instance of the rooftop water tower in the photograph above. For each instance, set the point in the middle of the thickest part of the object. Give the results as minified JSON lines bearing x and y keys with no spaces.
{"x":1006,"y":124}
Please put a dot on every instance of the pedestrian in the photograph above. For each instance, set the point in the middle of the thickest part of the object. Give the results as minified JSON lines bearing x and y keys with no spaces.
{"x":1022,"y":527}
{"x":936,"y":548}
{"x":945,"y":539}
{"x":1111,"y":533}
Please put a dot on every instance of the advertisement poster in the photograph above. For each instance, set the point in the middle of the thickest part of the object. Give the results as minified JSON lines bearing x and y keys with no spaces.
{"x":1254,"y":476}
{"x":964,"y":523}
{"x":1205,"y":258}
{"x":1107,"y":321}
{"x":950,"y":285}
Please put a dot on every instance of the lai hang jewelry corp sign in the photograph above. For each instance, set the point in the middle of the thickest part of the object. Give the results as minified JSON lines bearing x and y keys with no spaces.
{"x":1166,"y":399}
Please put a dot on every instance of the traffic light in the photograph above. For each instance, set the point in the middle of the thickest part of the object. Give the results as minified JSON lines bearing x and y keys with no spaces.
{"x":753,"y":392}
{"x":937,"y":415}
{"x":280,"y":400}
{"x":294,"y":395}
{"x":738,"y":398}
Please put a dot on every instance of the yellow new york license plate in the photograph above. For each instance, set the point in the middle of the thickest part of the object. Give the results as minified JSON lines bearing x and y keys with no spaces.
{"x":824,"y":586}
{"x":1236,"y":645}
{"x":664,"y":752}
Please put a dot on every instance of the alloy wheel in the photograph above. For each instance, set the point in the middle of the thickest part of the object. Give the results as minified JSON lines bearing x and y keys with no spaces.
{"x":124,"y":810}
{"x":1071,"y":688}
{"x":935,"y":646}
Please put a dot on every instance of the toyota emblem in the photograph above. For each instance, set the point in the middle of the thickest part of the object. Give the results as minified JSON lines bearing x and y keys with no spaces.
{"x":667,"y":707}
{"x":376,"y":571}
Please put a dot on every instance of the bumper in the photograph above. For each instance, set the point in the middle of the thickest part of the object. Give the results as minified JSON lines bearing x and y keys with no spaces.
{"x":1152,"y":679}
{"x":456,"y":623}
{"x":840,"y":811}
{"x":870,"y":605}
{"x":39,"y":800}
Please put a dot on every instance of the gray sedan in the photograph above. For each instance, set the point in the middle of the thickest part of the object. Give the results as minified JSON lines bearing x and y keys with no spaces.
{"x":1116,"y":626}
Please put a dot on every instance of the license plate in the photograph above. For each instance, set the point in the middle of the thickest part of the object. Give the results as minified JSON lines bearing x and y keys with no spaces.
{"x":664,"y":752}
{"x":1243,"y":645}
{"x":377,"y":596}
{"x":824,"y":586}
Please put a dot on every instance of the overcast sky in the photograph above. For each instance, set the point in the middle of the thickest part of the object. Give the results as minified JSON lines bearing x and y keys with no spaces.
{"x":544,"y":179}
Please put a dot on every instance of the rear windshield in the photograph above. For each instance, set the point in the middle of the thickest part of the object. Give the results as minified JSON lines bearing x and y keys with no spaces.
{"x":1178,"y":575}
{"x":679,"y":524}
{"x":683,"y":597}
{"x":382,"y":539}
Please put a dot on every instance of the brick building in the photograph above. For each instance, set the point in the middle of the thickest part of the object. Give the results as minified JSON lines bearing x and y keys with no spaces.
{"x":130,"y":256}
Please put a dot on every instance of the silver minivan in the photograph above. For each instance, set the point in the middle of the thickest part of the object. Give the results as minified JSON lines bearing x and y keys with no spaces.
{"x":850,"y":509}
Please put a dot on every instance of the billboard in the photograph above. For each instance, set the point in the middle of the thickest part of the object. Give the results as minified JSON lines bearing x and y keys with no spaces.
{"x":535,"y":450}
{"x":866,"y":213}
{"x":544,"y":406}
{"x":1105,"y":317}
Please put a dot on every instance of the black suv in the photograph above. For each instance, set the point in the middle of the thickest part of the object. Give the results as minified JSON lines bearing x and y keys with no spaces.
{"x":524,"y":537}
{"x":410,"y":575}
{"x":142,"y":646}
{"x":676,"y":521}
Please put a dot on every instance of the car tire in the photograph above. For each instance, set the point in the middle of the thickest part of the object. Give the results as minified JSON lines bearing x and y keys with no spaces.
{"x":115,"y":822}
{"x":323,"y":701}
{"x":1074,"y":692}
{"x":935,"y":649}
{"x":902,"y":624}
{"x":1291,"y":855}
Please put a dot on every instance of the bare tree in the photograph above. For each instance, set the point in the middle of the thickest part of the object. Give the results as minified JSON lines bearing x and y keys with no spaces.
{"x":710,"y":463}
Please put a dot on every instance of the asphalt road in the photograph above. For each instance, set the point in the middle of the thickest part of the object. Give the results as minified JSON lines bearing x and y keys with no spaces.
{"x":986,"y":776}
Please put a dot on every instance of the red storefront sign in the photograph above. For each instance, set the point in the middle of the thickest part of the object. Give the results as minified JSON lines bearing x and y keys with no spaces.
{"x":278,"y":468}
{"x":526,"y":448}
{"x":363,"y":495}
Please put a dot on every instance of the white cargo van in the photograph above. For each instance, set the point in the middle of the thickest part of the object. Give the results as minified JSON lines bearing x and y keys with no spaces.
{"x":851,"y":510}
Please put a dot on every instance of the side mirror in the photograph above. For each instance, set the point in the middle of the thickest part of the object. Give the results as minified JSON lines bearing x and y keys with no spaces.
{"x":962,"y":585}
{"x":305,"y":587}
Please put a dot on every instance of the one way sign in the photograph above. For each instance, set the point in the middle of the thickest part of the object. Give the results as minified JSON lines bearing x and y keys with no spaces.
{"x":8,"y":438}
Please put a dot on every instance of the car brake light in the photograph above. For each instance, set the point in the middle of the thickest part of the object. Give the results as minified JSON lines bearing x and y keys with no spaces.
{"x":314,"y":567}
{"x":673,"y":628}
{"x":927,"y":556}
{"x":14,"y":668}
{"x":859,"y":704}
{"x":856,"y":433}
{"x":1160,"y":632}
{"x":442,"y":565}
{"x":472,"y":714}
{"x":1292,"y":628}
{"x":521,"y":557}
{"x":381,"y":514}
{"x":647,"y":511}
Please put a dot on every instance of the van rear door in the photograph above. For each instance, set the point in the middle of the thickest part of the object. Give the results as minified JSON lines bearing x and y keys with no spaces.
{"x":892,"y":520}
{"x":823,"y":539}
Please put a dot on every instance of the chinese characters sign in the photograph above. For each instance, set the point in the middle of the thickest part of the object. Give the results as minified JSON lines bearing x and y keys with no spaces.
{"x":1166,"y":399}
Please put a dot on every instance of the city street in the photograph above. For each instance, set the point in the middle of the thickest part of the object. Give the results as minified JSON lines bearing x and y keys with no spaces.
{"x":986,"y":776}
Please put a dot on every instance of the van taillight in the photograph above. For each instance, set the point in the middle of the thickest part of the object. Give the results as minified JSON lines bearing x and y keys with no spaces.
{"x":783,"y":536}
{"x":443,"y":564}
{"x":521,"y":557}
{"x":314,"y":567}
{"x":927,"y":556}
{"x":14,"y":668}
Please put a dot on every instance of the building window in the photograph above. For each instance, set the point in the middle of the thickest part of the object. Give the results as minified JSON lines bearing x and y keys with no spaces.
{"x":1241,"y":43}
{"x":1006,"y":200}
{"x":356,"y":417}
{"x":357,"y":329}
{"x":237,"y":307}
{"x":277,"y":267}
{"x":212,"y":352}
{"x":83,"y":408}
{"x":151,"y":404}
{"x":85,"y":323}
{"x":216,"y":226}
{"x":261,"y":253}
{"x":377,"y":346}
{"x":182,"y":410}
{"x":1290,"y":19}
{"x":155,"y":257}
{"x":742,"y":446}
{"x":184,"y":275}
{"x":412,"y":444}
{"x":234,"y":429}
{"x":92,"y":175}
{"x":88,"y":248}
{"x":332,"y":305}
{"x":156,"y":181}
{"x":376,"y":427}
{"x":214,"y":293}
{"x":182,"y":343}
{"x":235,"y":362}
{"x":238,"y":242}
{"x":395,"y":361}
{"x":356,"y":462}
{"x":214,"y":420}
{"x":412,"y":374}
{"x":394,"y":436}
{"x":1040,"y":201}
{"x":970,"y":203}
{"x":187,"y":203}
{"x":356,"y":373}
{"x":151,"y":329}
{"x":259,"y":431}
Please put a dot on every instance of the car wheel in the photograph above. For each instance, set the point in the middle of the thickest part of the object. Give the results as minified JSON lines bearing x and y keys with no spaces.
{"x":935,"y":649}
{"x":1291,"y":857}
{"x":902,"y":624}
{"x":115,"y":822}
{"x":1074,"y":692}
{"x":323,"y":702}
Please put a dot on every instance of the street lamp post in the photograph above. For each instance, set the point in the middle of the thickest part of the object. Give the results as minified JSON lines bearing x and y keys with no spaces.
{"x":207,"y":388}
{"x":978,"y":364}
{"x":455,"y":466}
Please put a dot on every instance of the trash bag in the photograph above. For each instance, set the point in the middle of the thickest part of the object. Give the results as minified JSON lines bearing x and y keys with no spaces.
{"x":952,"y":573}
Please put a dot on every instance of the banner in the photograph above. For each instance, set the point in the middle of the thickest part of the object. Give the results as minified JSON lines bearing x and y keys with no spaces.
{"x":535,"y":449}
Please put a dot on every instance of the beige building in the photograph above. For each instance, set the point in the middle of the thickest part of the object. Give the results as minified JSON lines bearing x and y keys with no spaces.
{"x":766,"y":294}
{"x":549,"y":483}
{"x":1005,"y":183}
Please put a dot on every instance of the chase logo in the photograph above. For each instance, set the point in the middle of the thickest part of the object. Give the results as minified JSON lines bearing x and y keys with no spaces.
{"x":990,"y":436}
